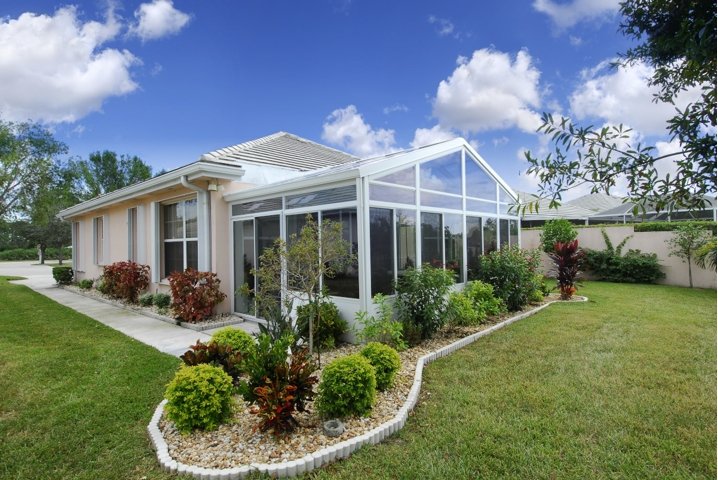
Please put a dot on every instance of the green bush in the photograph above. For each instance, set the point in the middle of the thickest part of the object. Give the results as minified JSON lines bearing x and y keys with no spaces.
{"x":199,"y":397}
{"x":263,"y":361}
{"x":348,"y":387}
{"x":18,"y":254}
{"x":328,"y":325}
{"x":381,"y":328}
{"x":483,"y":299}
{"x":161,"y":300}
{"x":421,"y":299}
{"x":239,"y":340}
{"x":512,"y":272}
{"x":222,"y":356}
{"x":671,"y":226}
{"x":634,"y":267}
{"x":559,"y":230}
{"x":62,"y":274}
{"x":146,"y":299}
{"x":386,"y":363}
{"x":85,"y":284}
{"x":101,"y":286}
{"x":460,"y":311}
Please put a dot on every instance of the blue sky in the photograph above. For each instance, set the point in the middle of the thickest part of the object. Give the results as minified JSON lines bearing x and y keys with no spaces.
{"x":170,"y":80}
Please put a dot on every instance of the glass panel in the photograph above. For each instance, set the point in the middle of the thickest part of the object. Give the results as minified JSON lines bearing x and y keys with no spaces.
{"x":489,"y":235}
{"x":99,"y":240}
{"x":383,"y":193}
{"x":295,"y":223}
{"x":346,"y":282}
{"x":192,"y":254}
{"x":132,"y":250}
{"x":473,"y":246}
{"x":267,"y":233}
{"x":172,"y":221}
{"x":504,"y":196}
{"x":243,"y":262}
{"x":513,"y":232}
{"x":174,"y":257}
{"x":506,"y":209}
{"x":190,"y":211}
{"x":405,"y":240}
{"x":405,"y":177}
{"x":504,"y":232}
{"x":453,"y":244}
{"x":431,"y":239}
{"x":382,"y":258}
{"x":478,"y":183}
{"x":440,"y":201}
{"x":479,"y":206}
{"x":442,"y":174}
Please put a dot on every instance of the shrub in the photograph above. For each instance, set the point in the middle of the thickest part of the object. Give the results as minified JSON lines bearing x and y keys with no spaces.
{"x":670,"y":226}
{"x":85,"y":284}
{"x":386,"y":363}
{"x":567,"y":259}
{"x":482,"y":298}
{"x":460,"y":311}
{"x":554,"y":231}
{"x":101,"y":286}
{"x":706,"y":255}
{"x":199,"y":397}
{"x":194,"y":294}
{"x":238,"y":340}
{"x":17,"y":254}
{"x":381,"y":328}
{"x":421,"y":298}
{"x":222,"y":356}
{"x":262,"y":362}
{"x":512,"y":273}
{"x":348,"y":387}
{"x":161,"y":300}
{"x":62,"y":274}
{"x":126,"y":280}
{"x":289,"y":388}
{"x":328,"y":325}
{"x":634,"y":267}
{"x":146,"y":299}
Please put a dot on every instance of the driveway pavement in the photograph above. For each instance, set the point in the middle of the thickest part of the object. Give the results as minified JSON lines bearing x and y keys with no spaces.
{"x":165,"y":337}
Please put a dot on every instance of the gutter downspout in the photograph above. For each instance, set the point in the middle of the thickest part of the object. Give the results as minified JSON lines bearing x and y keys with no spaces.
{"x":204,"y":240}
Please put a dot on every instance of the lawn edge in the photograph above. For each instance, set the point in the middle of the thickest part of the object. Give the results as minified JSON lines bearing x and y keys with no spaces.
{"x":335,"y":452}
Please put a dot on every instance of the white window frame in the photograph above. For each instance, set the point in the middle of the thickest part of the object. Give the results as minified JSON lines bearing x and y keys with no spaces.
{"x":182,"y":240}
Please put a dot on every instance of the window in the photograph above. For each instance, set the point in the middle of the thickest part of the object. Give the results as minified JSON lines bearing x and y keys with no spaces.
{"x":179,"y":234}
{"x":76,"y":246}
{"x":478,"y":183}
{"x":431,"y":239}
{"x":382,"y":258}
{"x":132,"y":234}
{"x":489,"y":235}
{"x":243,"y":263}
{"x":454,"y":244}
{"x":442,"y":174}
{"x":346,"y":282}
{"x":504,"y":232}
{"x":474,"y":246}
{"x":406,"y":177}
{"x":98,"y":233}
{"x":513,"y":232}
{"x":386,"y":193}
{"x":405,"y":240}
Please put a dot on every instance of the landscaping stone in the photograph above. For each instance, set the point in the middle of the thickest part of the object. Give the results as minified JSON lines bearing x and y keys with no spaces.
{"x":333,"y":428}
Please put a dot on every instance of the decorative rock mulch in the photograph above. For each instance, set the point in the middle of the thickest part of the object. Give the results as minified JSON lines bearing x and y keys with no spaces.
{"x":235,"y":448}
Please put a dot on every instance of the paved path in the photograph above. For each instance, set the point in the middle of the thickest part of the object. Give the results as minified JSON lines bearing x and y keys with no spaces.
{"x":165,"y":337}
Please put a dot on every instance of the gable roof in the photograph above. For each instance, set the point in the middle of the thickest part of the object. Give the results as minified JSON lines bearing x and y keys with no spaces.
{"x":282,"y":149}
{"x":596,"y":202}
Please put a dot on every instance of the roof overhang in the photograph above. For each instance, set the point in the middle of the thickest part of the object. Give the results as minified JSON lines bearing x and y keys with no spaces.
{"x":194,"y":171}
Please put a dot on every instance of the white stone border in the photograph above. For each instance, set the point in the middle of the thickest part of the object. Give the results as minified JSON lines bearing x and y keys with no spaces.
{"x":334,"y":452}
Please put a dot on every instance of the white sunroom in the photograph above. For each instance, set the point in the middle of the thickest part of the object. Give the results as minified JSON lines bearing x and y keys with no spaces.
{"x":441,"y":204}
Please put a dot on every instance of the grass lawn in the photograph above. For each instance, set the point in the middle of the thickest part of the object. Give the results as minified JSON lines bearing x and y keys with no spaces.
{"x":621,"y":387}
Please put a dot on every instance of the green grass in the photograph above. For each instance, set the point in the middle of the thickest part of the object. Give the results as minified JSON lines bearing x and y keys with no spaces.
{"x":621,"y":387}
{"x":75,"y":396}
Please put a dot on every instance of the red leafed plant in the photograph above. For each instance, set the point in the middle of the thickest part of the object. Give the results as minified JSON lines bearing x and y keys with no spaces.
{"x":194,"y":294}
{"x":287,"y":391}
{"x":567,"y":259}
{"x":215,"y":354}
{"x":126,"y":280}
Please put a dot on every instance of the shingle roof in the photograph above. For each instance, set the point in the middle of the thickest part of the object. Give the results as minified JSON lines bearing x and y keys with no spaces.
{"x":596,"y":202}
{"x":282,"y":149}
{"x":565,"y":210}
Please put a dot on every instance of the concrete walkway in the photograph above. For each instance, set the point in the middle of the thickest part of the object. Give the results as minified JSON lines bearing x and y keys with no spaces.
{"x":165,"y":337}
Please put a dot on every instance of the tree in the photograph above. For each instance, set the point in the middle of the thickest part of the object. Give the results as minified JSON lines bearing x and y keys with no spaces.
{"x":294,"y":269}
{"x":103,"y":172}
{"x":555,"y":231}
{"x":677,"y":38}
{"x":27,"y":155}
{"x":687,"y":239}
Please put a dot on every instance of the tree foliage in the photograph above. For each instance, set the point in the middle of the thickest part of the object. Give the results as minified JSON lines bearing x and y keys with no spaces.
{"x":685,"y":244}
{"x":105,"y":172}
{"x":677,"y":38}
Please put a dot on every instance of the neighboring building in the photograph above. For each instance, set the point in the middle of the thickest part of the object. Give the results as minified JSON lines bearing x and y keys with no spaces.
{"x":440,"y":204}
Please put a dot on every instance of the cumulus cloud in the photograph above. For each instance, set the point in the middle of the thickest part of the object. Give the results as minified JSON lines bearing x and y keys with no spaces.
{"x":567,"y":14}
{"x":623,"y":95}
{"x":427,"y":136}
{"x":490,"y":91}
{"x":158,"y":19}
{"x":53,"y":69}
{"x":346,"y":128}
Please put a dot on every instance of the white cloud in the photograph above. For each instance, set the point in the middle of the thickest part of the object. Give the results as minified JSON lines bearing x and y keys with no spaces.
{"x":623,"y":95}
{"x":567,"y":14}
{"x":427,"y":136}
{"x":53,"y":69}
{"x":346,"y":128}
{"x":490,"y":91}
{"x":500,"y":141}
{"x":158,"y":19}
{"x":575,"y":41}
{"x":397,"y":107}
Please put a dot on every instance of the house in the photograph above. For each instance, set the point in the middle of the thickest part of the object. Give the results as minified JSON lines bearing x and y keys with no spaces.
{"x":440,"y":204}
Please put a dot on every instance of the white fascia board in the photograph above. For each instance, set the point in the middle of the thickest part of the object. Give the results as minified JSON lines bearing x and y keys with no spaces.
{"x":170,"y":179}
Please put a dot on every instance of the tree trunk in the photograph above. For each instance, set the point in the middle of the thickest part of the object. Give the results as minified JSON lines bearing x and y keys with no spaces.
{"x":690,"y":272}
{"x":59,"y":255}
{"x":41,"y":254}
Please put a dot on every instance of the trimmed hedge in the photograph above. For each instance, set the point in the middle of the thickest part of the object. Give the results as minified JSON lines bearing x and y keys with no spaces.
{"x":348,"y":387}
{"x":62,"y":274}
{"x":672,"y":226}
{"x":19,"y":254}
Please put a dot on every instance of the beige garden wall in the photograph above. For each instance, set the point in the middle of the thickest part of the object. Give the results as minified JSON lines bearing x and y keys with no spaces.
{"x":649,"y":242}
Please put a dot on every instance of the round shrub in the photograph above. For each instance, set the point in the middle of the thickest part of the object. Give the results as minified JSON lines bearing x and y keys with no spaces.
{"x":85,"y":284}
{"x":559,"y":230}
{"x":62,"y":274}
{"x":146,"y":299}
{"x":199,"y":397}
{"x":161,"y":300}
{"x":386,"y":363}
{"x":460,"y":311}
{"x":239,"y":340}
{"x":348,"y":387}
{"x":327,"y":329}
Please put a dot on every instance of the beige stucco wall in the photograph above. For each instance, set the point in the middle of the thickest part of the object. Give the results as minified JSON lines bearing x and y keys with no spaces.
{"x":649,"y":242}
